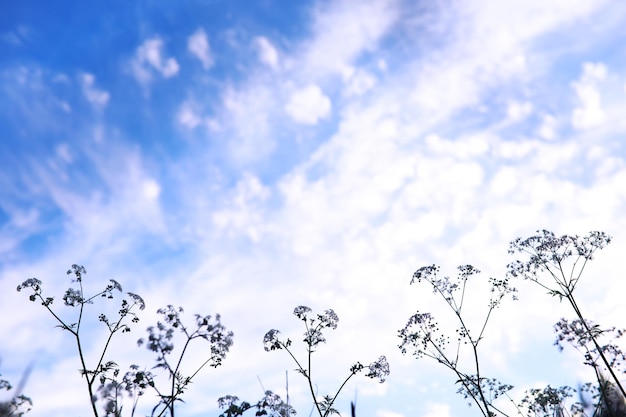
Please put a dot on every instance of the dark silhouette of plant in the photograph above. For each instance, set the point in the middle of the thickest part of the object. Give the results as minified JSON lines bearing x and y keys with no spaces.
{"x":313,"y":336}
{"x":548,"y":402}
{"x":423,"y":336}
{"x":19,"y":404}
{"x":160,"y":341}
{"x":556,"y":264}
{"x":103,"y":379}
{"x":270,"y":405}
{"x":75,"y":297}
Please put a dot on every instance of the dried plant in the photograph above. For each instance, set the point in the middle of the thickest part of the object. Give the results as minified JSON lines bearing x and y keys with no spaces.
{"x":315,"y":325}
{"x":556,"y":264}
{"x":103,"y":378}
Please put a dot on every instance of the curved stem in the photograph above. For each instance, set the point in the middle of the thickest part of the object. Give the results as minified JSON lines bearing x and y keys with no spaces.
{"x":339,"y":390}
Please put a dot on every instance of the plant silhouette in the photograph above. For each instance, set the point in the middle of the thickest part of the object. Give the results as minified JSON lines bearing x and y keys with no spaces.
{"x":553,"y":263}
{"x":103,"y":379}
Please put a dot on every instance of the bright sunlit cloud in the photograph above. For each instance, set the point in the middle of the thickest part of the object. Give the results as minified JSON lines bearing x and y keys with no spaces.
{"x":308,"y":105}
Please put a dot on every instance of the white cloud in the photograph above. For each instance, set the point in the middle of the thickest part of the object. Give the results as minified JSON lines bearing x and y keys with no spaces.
{"x":198,"y":45}
{"x":589,"y":113}
{"x":246,"y":117}
{"x":148,"y":58}
{"x":466,"y":147}
{"x":437,"y":410}
{"x":98,"y":98}
{"x":503,"y":24}
{"x":241,"y":214}
{"x":188,"y":117}
{"x":267,"y":52}
{"x":308,"y":105}
{"x":487,"y":47}
{"x":346,"y":29}
{"x":517,"y":111}
{"x":359,"y":83}
{"x":385,"y":413}
{"x":150,"y":189}
{"x":505,"y":181}
{"x":548,"y":127}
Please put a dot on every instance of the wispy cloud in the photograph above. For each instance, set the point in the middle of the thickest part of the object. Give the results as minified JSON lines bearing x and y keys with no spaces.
{"x":589,"y":112}
{"x":267,"y":52}
{"x":148,"y":59}
{"x":98,"y":98}
{"x":188,"y":117}
{"x":198,"y":45}
{"x":360,"y":26}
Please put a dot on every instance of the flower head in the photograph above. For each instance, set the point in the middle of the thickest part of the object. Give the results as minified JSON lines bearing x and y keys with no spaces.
{"x":270,"y":341}
{"x":301,"y":312}
{"x":328,"y":319}
{"x":379,"y":369}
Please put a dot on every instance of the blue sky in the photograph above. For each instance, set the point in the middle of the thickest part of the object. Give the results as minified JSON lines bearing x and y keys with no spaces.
{"x":248,"y":157}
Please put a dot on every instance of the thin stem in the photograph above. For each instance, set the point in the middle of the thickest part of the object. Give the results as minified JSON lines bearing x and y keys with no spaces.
{"x":462,"y":294}
{"x":111,"y":333}
{"x":89,"y":381}
{"x":513,"y":402}
{"x":478,"y":386}
{"x":308,"y":371}
{"x":308,"y":376}
{"x":569,"y":294}
{"x":480,"y":335}
{"x":338,"y":391}
{"x":474,"y":343}
{"x":464,"y":379}
{"x":80,"y":351}
{"x":572,"y":301}
{"x":180,"y":360}
{"x":293,"y":357}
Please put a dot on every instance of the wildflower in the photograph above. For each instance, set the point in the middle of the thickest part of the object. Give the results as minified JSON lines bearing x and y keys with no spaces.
{"x":270,"y":341}
{"x":72,"y":297}
{"x":301,"y":312}
{"x":137,"y":299}
{"x":115,"y":285}
{"x":328,"y":319}
{"x":379,"y":369}
{"x":33,"y":283}
{"x":314,"y":337}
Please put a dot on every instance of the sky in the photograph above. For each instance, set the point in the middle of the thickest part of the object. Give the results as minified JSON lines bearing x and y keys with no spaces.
{"x":247,"y":157}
